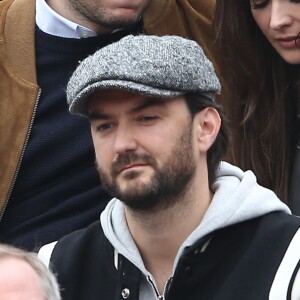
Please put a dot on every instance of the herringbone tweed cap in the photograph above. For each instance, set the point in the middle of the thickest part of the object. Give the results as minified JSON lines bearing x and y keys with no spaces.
{"x":166,"y":67}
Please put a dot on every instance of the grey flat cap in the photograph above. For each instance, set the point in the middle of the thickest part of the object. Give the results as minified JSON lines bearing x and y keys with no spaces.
{"x":167,"y":67}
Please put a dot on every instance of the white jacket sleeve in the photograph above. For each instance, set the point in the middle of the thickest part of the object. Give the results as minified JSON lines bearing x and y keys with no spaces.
{"x":45,"y":253}
{"x":287,"y":278}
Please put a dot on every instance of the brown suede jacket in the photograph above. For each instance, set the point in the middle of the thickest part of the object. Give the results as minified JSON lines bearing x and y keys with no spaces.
{"x":19,"y":92}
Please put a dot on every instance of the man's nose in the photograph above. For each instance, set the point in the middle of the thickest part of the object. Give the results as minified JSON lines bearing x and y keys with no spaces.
{"x":125,"y":140}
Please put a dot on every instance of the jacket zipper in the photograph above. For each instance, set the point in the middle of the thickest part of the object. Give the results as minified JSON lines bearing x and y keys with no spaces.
{"x":160,"y":296}
{"x":21,"y":156}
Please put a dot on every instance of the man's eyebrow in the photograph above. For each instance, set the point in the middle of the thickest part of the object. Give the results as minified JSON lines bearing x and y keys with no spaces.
{"x":148,"y":103}
{"x":145,"y":104}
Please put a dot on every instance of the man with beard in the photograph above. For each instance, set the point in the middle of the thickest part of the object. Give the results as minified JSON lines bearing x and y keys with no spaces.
{"x":182,"y":225}
{"x":48,"y":184}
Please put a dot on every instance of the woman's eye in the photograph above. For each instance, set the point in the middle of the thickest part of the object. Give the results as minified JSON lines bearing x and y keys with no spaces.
{"x":258,"y":4}
{"x":295,"y":1}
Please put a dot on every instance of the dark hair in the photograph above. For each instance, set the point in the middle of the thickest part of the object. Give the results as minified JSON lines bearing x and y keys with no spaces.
{"x":262,"y":100}
{"x":219,"y":148}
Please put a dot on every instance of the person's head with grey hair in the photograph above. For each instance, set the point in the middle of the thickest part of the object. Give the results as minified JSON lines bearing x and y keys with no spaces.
{"x":24,"y":276}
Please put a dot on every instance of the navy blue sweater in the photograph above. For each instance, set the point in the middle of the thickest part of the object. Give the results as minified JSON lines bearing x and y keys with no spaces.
{"x":57,"y":189}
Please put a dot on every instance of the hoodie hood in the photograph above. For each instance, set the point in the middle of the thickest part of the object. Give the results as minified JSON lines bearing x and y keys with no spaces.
{"x":237,"y":198}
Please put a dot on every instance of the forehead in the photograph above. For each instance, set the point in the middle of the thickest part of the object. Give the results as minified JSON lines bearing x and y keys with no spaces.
{"x":18,"y":280}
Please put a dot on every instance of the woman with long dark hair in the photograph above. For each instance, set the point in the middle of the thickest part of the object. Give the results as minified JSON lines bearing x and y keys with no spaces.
{"x":259,"y":42}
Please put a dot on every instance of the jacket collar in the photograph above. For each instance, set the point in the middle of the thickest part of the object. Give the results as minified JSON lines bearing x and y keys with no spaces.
{"x":19,"y":39}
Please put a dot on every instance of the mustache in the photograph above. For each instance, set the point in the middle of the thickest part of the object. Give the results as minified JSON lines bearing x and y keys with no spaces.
{"x":123,"y":160}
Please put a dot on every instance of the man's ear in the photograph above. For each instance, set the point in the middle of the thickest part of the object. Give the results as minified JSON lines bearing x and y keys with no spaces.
{"x":207,"y":123}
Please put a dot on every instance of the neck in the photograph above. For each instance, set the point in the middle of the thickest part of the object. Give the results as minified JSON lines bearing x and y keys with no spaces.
{"x":159,"y":235}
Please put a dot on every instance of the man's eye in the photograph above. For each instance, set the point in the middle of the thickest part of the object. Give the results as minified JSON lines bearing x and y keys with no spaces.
{"x":148,"y":118}
{"x":258,"y":4}
{"x":104,"y":127}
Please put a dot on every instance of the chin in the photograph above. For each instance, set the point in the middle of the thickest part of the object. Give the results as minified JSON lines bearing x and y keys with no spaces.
{"x":293,"y":61}
{"x":291,"y":58}
{"x":128,"y":15}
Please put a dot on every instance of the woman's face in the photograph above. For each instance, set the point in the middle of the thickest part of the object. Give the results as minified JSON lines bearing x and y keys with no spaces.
{"x":279,"y":20}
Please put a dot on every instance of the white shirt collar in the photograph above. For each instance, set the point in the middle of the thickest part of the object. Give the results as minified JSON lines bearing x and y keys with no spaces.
{"x":52,"y":23}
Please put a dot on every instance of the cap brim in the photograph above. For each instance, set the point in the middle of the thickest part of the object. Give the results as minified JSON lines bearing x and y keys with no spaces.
{"x":78,"y":105}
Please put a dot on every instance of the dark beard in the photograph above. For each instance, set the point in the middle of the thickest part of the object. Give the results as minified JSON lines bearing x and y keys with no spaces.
{"x":99,"y":15}
{"x":166,"y":186}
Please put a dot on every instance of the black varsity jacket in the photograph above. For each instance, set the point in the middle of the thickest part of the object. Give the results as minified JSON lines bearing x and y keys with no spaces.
{"x":247,"y":261}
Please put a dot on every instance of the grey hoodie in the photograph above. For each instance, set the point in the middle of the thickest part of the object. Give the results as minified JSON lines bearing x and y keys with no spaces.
{"x":237,"y":198}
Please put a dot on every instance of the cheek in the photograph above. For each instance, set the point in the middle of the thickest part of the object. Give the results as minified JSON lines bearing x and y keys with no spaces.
{"x":103,"y":153}
{"x":262,"y":19}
